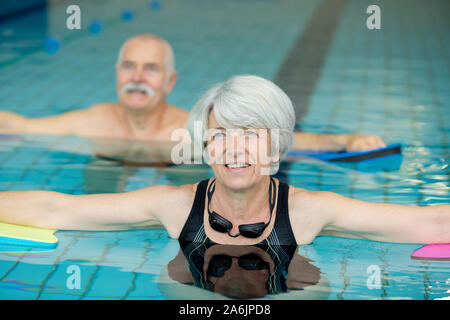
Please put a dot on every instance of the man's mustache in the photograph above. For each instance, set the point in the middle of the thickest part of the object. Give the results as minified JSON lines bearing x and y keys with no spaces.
{"x":136,"y":86}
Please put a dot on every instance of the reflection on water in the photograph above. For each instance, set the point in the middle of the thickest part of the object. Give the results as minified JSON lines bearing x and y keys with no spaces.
{"x":243,"y":272}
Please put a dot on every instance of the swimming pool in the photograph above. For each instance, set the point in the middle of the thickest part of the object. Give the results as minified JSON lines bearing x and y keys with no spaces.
{"x":394,"y":84}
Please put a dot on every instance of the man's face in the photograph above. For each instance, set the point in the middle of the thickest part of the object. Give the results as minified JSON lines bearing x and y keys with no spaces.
{"x":143,"y":80}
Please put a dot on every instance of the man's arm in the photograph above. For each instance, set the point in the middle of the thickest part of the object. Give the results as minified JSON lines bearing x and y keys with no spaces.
{"x":336,"y":142}
{"x":10,"y":122}
{"x":381,"y":221}
{"x":72,"y":122}
{"x":53,"y":210}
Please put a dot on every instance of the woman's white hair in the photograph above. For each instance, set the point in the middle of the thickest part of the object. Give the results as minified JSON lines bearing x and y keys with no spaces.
{"x":249,"y":102}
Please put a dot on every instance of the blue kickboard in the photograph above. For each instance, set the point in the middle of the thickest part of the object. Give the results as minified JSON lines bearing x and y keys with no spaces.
{"x":345,"y":156}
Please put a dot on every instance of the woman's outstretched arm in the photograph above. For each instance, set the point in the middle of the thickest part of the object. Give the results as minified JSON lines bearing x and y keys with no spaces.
{"x":386,"y":222}
{"x":316,"y":213}
{"x":53,"y":210}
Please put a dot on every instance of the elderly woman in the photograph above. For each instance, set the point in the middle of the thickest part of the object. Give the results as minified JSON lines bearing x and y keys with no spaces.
{"x":242,"y":204}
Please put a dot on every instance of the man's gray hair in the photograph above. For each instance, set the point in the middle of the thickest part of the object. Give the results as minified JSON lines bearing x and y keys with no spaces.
{"x":249,"y":102}
{"x":169,"y":55}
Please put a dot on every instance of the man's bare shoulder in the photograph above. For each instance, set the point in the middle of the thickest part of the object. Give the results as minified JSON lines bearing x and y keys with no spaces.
{"x":96,"y":111}
{"x":94,"y":121}
{"x":178,"y":114}
{"x":101,"y":109}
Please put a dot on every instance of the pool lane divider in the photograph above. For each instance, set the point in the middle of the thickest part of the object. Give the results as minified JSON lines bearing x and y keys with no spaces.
{"x":127,"y":15}
{"x":52,"y":43}
{"x":25,"y":236}
{"x":301,"y":69}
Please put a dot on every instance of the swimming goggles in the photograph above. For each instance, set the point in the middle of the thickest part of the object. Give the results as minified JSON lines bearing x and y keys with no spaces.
{"x":251,"y":230}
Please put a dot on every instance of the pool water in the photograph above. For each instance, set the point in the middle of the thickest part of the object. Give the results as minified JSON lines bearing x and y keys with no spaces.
{"x":392,"y":82}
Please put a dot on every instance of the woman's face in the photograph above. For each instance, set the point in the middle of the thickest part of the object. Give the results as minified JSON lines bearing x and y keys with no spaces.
{"x":239,"y":157}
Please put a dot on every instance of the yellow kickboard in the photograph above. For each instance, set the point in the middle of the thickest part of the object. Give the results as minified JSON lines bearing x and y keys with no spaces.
{"x":12,"y":234}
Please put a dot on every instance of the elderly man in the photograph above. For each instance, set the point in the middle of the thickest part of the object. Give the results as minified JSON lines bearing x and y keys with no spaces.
{"x":145,"y":76}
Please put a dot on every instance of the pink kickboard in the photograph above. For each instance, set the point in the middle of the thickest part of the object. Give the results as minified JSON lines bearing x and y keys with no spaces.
{"x":433,"y":252}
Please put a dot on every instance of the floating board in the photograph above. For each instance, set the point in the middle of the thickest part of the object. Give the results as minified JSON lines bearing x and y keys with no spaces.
{"x":433,"y":252}
{"x":15,"y":235}
{"x":345,"y":156}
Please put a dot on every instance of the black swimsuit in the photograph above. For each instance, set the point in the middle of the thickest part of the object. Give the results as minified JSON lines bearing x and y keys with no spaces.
{"x":281,"y":235}
{"x":280,"y":244}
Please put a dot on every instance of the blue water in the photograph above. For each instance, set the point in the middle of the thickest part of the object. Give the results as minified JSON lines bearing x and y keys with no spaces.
{"x":392,"y":82}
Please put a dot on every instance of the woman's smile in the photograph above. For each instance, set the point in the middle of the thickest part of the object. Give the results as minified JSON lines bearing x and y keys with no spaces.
{"x":237,"y":168}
